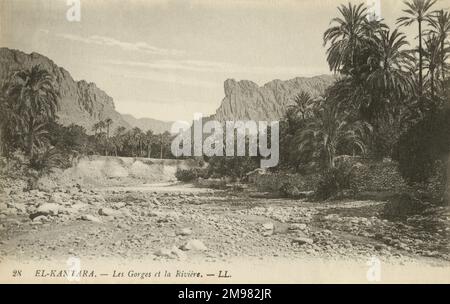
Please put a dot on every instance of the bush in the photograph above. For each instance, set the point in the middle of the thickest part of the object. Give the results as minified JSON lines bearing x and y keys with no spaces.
{"x":333,"y":182}
{"x":289,"y":190}
{"x":190,"y":175}
{"x":403,"y":205}
{"x":422,"y":145}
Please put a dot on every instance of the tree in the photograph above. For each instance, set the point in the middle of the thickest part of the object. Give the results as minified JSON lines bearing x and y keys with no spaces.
{"x":329,"y":129}
{"x":348,"y":39}
{"x":37,"y":100}
{"x":432,"y":60}
{"x":440,"y":23}
{"x":149,"y":139}
{"x":388,"y":79}
{"x":417,"y":11}
{"x":107,"y":122}
{"x":303,"y":102}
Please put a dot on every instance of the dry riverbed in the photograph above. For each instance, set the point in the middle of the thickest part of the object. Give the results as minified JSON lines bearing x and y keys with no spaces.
{"x":179,"y":222}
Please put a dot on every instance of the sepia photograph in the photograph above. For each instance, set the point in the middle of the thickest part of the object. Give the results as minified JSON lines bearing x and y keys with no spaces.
{"x":224,"y":142}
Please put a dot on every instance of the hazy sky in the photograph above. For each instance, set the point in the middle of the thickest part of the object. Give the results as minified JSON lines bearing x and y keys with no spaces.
{"x":169,"y":59}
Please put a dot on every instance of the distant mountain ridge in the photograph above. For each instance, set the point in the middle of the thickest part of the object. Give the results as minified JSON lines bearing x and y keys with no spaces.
{"x":245,"y":100}
{"x":85,"y":104}
{"x":82,"y":103}
{"x":157,"y":126}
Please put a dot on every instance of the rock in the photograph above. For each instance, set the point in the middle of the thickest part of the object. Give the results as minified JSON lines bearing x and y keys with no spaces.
{"x":268,"y":226}
{"x":107,"y":212}
{"x":48,"y":209}
{"x":267,"y":233}
{"x":3,"y":206}
{"x":179,"y":253}
{"x":194,"y":245}
{"x":297,"y":226}
{"x":55,"y":198}
{"x":166,"y":253}
{"x":185,"y":231}
{"x":126,"y":212}
{"x":91,"y":218}
{"x":40,"y":219}
{"x":302,"y":240}
{"x":80,"y":206}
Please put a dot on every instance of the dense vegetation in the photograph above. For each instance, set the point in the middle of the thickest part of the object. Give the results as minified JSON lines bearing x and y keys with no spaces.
{"x":390,"y":100}
{"x":28,"y":126}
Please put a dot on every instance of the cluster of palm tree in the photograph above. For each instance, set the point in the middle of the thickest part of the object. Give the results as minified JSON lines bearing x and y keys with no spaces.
{"x":29,"y":100}
{"x":133,"y":142}
{"x":384,"y":86}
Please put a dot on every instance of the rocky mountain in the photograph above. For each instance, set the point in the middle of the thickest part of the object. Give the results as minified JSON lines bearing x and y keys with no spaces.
{"x":245,"y":100}
{"x":82,"y":103}
{"x":157,"y":126}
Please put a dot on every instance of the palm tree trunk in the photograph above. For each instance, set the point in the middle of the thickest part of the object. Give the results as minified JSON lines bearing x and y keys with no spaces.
{"x":29,"y":150}
{"x":420,"y":61}
{"x":443,"y":65}
{"x":432,"y":84}
{"x":1,"y":140}
{"x":149,"y":150}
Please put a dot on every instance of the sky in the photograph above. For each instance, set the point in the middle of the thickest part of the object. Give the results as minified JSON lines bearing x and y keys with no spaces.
{"x":169,"y":59}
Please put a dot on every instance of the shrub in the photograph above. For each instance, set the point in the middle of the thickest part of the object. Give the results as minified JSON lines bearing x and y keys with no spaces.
{"x":190,"y":175}
{"x":422,"y":145}
{"x":289,"y":190}
{"x":333,"y":182}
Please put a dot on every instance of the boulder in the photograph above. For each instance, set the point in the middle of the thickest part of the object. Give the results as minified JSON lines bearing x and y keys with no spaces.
{"x":194,"y":245}
{"x":107,"y":212}
{"x":91,"y":218}
{"x":268,"y":226}
{"x":49,"y":209}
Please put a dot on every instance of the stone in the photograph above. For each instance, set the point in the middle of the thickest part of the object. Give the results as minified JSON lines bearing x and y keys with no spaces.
{"x":126,"y":212}
{"x":268,"y":226}
{"x":91,"y":218}
{"x":56,"y":198}
{"x":267,"y":233}
{"x":179,"y":253}
{"x":297,"y":226}
{"x":107,"y":212}
{"x":194,"y":245}
{"x":48,"y":209}
{"x":185,"y":231}
{"x":40,"y":218}
{"x":163,"y":252}
{"x":302,"y":240}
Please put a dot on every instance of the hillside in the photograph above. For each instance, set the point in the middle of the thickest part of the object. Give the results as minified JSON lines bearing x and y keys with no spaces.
{"x":82,"y":103}
{"x":246,"y":100}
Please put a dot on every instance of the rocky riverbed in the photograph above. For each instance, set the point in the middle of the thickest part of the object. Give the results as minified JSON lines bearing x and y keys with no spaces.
{"x":180,"y":223}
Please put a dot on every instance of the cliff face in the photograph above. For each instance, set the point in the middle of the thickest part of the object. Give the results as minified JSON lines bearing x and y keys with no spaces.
{"x":82,"y":103}
{"x":245,"y":100}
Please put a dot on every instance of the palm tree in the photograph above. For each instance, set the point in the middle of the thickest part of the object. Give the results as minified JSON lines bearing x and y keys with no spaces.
{"x":440,"y":23}
{"x":136,"y":141}
{"x":108,"y":122}
{"x":432,"y":59}
{"x":303,"y":102}
{"x":389,"y":78}
{"x":418,"y":11}
{"x":347,"y":37}
{"x":37,"y":99}
{"x":149,"y":138}
{"x":329,"y":129}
